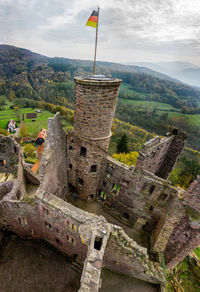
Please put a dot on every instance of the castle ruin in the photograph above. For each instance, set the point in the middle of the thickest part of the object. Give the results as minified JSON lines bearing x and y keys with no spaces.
{"x":158,"y":222}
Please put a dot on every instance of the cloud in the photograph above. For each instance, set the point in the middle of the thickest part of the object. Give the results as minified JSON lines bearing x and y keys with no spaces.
{"x":129,"y":29}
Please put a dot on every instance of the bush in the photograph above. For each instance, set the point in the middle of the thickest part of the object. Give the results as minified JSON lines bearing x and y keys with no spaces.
{"x":29,"y":150}
{"x":3,"y":132}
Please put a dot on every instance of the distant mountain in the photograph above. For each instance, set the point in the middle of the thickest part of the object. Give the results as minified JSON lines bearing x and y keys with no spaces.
{"x":183,"y":71}
{"x":24,"y":74}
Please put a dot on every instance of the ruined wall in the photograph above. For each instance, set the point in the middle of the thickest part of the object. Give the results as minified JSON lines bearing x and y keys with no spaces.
{"x":186,"y":234}
{"x":5,"y":188}
{"x":53,"y":165}
{"x":125,"y":256}
{"x":9,"y":155}
{"x":12,"y":161}
{"x":184,"y":239}
{"x":159,"y":155}
{"x":139,"y":199}
{"x":95,"y":102}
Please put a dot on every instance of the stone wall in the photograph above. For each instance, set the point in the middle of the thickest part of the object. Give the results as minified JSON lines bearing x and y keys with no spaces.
{"x":9,"y":155}
{"x":53,"y":165}
{"x":186,"y":234}
{"x":140,"y":199}
{"x":95,"y":102}
{"x":183,"y":240}
{"x":159,"y":155}
{"x":84,"y":167}
{"x":5,"y":188}
{"x":124,"y":255}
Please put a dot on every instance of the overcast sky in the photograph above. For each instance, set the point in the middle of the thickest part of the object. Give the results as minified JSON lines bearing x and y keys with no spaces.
{"x":129,"y":30}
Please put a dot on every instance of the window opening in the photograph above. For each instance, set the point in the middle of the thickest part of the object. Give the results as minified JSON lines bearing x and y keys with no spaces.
{"x":80,"y":181}
{"x":70,"y":166}
{"x":104,"y":183}
{"x":103,"y":195}
{"x":110,"y":170}
{"x":126,"y":215}
{"x":70,"y":147}
{"x":93,"y":168}
{"x":152,"y":188}
{"x":83,"y":152}
{"x":116,"y":187}
{"x":98,"y":243}
{"x":151,"y":208}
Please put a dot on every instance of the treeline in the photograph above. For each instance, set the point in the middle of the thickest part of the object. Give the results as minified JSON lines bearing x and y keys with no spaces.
{"x":152,"y":88}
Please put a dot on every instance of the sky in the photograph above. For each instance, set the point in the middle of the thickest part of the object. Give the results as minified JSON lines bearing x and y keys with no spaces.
{"x":129,"y":30}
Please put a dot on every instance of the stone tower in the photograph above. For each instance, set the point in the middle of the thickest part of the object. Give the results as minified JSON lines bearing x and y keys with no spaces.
{"x":95,"y":103}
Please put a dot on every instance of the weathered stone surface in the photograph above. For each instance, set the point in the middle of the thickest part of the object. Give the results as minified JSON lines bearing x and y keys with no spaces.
{"x":53,"y":166}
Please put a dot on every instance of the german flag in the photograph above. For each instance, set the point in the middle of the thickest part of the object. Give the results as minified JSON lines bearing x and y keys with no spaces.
{"x":93,"y":19}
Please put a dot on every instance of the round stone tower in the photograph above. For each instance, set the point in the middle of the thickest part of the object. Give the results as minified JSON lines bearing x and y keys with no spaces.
{"x":95,"y":102}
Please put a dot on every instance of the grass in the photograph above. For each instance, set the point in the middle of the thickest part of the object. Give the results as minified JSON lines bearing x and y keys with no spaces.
{"x":192,"y":120}
{"x":147,"y":104}
{"x":197,"y":252}
{"x":127,"y":88}
{"x":33,"y":127}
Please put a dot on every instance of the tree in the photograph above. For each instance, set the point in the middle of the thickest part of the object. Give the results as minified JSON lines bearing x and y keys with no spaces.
{"x":122,"y":146}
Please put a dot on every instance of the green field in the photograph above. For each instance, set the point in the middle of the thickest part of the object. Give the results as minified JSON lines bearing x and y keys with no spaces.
{"x":124,"y":87}
{"x":192,"y":119}
{"x":6,"y":114}
{"x":147,"y":104}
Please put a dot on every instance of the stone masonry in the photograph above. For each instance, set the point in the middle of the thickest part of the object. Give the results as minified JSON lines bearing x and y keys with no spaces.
{"x":156,"y":219}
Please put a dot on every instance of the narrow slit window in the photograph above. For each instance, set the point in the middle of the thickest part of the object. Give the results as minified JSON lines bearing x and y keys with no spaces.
{"x":152,"y":188}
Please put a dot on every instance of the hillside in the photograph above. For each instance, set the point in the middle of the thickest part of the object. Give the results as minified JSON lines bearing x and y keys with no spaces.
{"x":183,"y":71}
{"x":24,"y":74}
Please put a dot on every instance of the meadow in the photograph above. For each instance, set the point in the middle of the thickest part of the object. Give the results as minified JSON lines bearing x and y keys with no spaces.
{"x":6,"y":114}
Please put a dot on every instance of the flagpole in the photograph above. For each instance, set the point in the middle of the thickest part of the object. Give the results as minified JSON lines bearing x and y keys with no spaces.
{"x":95,"y":51}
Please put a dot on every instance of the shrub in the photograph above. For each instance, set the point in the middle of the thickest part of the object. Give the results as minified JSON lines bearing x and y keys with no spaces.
{"x":29,"y":150}
{"x":3,"y":132}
